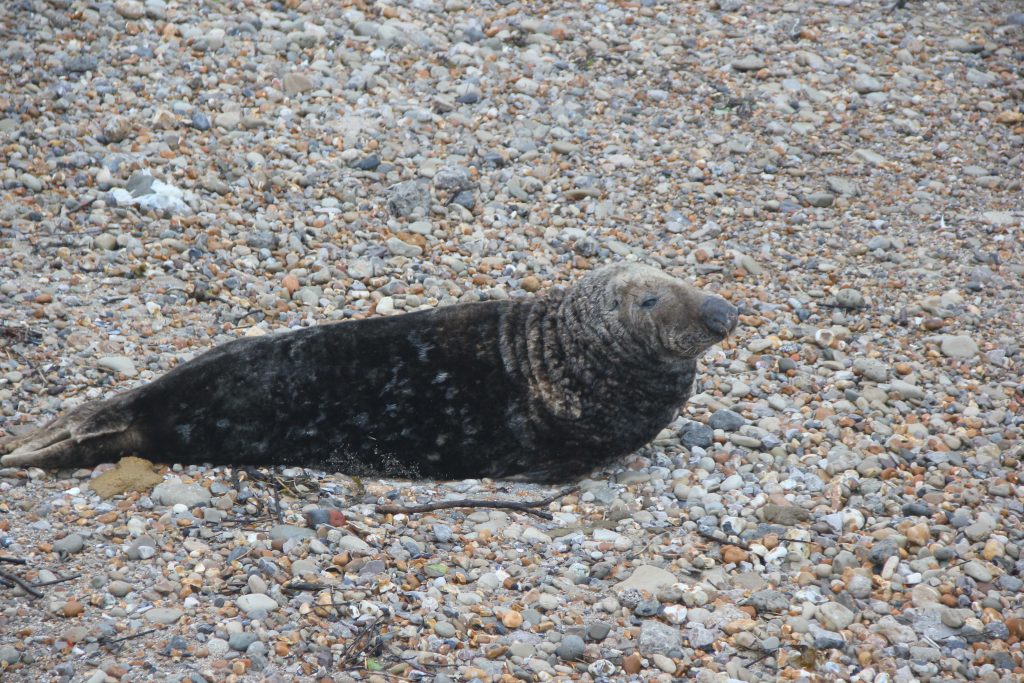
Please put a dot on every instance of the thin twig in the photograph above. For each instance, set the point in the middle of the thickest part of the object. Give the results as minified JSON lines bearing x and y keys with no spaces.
{"x":643,"y":550}
{"x":85,"y":203}
{"x":22,"y":583}
{"x":521,"y":506}
{"x":138,"y":634}
{"x":360,"y":644}
{"x":719,"y":537}
{"x":56,"y":581}
{"x":13,"y":560}
{"x":304,"y":586}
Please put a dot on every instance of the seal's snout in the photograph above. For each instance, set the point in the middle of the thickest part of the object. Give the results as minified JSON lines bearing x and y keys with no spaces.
{"x":719,"y":315}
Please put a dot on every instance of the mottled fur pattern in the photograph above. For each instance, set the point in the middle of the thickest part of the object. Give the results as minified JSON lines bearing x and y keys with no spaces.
{"x":546,"y":389}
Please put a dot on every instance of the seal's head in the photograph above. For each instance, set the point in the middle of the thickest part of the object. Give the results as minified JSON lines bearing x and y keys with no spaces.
{"x":660,"y":315}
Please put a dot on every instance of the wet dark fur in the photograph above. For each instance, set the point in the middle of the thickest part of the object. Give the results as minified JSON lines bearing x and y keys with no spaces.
{"x":547,"y":388}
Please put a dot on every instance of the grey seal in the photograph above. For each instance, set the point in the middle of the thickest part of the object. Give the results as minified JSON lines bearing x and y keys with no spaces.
{"x":545,"y":388}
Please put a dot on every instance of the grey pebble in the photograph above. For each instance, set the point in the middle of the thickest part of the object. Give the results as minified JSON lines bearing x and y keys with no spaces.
{"x":72,"y":543}
{"x":241,"y":641}
{"x":163,"y":615}
{"x":571,"y":648}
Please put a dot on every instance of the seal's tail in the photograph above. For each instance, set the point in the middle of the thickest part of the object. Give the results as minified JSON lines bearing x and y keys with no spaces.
{"x":83,"y":437}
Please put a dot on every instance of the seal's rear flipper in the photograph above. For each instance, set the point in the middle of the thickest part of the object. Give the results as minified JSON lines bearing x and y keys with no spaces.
{"x":82,"y":438}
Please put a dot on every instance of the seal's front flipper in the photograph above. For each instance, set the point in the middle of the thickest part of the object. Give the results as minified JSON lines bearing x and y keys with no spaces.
{"x":82,"y":438}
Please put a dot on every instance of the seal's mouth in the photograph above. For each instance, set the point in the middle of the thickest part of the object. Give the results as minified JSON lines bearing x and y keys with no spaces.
{"x":719,"y":316}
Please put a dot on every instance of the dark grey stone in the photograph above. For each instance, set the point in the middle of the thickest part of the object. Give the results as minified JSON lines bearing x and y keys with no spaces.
{"x":726,"y":420}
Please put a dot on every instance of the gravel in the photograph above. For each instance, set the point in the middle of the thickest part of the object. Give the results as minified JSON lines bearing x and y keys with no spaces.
{"x":840,"y":499}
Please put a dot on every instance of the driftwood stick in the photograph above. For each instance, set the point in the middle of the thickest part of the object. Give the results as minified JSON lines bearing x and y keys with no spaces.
{"x":720,"y":537}
{"x":22,"y":583}
{"x":137,"y":634}
{"x":520,"y":506}
{"x":13,"y":560}
{"x":61,"y":579}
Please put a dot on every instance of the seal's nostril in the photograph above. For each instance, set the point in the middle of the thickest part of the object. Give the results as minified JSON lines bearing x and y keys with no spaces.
{"x":719,"y":315}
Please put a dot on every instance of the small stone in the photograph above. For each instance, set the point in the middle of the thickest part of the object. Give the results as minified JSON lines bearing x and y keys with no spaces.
{"x":748,"y":63}
{"x":647,"y":578}
{"x":9,"y":655}
{"x":408,"y":199}
{"x":821,"y":199}
{"x":869,"y":157}
{"x":865,"y":84}
{"x":240,"y":641}
{"x":726,"y":420}
{"x":177,"y":493}
{"x":696,"y":435}
{"x":633,"y":664}
{"x":571,"y":648}
{"x":530,"y":283}
{"x":354,"y":544}
{"x":823,"y":639}
{"x":119,"y":589}
{"x":835,"y":616}
{"x":850,"y":299}
{"x":106,"y":242}
{"x":959,"y":347}
{"x":121,"y":364}
{"x":842,"y":186}
{"x":296,"y":83}
{"x":72,"y":608}
{"x":786,"y":515}
{"x":227,"y":120}
{"x":285,"y":532}
{"x":444,"y":629}
{"x":598,"y":631}
{"x":72,"y":543}
{"x":664,"y":663}
{"x":512,"y":619}
{"x":130,"y":9}
{"x":163,"y":615}
{"x":257,"y":601}
{"x":658,"y":638}
{"x":731,"y":554}
{"x":201,"y":121}
{"x":977,"y":571}
{"x":918,"y":534}
{"x":217,"y":647}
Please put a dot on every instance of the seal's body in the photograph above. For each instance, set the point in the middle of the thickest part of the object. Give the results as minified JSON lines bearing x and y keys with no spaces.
{"x":546,"y":388}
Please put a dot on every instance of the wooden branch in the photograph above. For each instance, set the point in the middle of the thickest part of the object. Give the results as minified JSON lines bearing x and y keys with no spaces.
{"x":519,"y":506}
{"x":21,"y":583}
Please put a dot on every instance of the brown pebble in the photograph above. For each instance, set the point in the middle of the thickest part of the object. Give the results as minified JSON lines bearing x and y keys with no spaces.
{"x":632,"y":664}
{"x":1016,"y":628}
{"x":512,"y":619}
{"x":291,"y":283}
{"x":731,"y":554}
{"x":918,"y":534}
{"x":530,"y":283}
{"x":72,"y":608}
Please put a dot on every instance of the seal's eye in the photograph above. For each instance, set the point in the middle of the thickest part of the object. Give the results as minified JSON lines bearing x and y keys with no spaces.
{"x":649,"y":302}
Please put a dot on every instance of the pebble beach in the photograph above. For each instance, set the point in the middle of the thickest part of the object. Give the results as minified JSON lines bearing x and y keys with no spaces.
{"x":840,"y":500}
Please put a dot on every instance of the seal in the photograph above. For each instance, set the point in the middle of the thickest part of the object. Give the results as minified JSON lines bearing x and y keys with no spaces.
{"x":545,"y":388}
